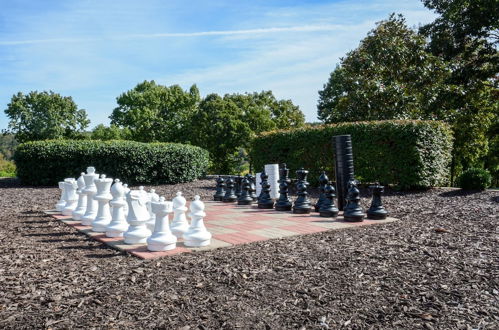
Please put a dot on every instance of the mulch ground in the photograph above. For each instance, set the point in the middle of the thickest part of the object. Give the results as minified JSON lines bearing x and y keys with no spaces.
{"x":436,"y":268}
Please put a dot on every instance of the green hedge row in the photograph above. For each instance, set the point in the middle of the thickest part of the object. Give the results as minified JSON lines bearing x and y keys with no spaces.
{"x":47,"y":162}
{"x":406,"y":153}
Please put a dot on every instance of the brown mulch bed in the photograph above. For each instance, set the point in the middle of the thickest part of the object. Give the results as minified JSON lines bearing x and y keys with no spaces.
{"x":436,"y":268}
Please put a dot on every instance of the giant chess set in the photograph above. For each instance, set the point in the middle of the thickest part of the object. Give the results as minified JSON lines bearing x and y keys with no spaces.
{"x":137,"y":221}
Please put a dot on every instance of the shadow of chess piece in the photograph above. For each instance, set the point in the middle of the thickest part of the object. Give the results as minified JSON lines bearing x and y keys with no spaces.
{"x":377,"y":211}
{"x":353,"y":212}
{"x":245,"y":197}
{"x":283,"y":203}
{"x":323,"y":181}
{"x":302,"y":203}
{"x":328,"y":209}
{"x":230,"y":196}
{"x":238,"y":185}
{"x":264,"y":200}
{"x":220,"y":190}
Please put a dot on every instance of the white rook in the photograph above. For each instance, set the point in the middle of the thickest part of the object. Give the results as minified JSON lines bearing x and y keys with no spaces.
{"x":162,"y":238}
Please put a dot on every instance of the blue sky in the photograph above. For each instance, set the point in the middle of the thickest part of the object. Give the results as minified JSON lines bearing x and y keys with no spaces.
{"x":94,"y":50}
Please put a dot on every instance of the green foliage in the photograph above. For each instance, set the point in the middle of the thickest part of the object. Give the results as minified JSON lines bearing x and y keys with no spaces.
{"x":7,"y":168}
{"x":155,"y":113}
{"x":475,"y":179}
{"x":8,"y":144}
{"x":45,"y":115}
{"x":407,"y":153}
{"x":225,"y":126}
{"x":113,"y":132}
{"x":47,"y":162}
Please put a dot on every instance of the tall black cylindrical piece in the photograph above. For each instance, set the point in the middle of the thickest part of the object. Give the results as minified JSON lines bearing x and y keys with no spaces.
{"x":343,"y":166}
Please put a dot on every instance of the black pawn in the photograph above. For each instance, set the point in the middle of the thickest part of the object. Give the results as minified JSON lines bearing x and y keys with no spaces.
{"x":264,"y":200}
{"x":302,"y":203}
{"x":252,"y":182}
{"x":245,"y":197}
{"x":283,"y":203}
{"x":377,"y":211}
{"x":229,"y":197}
{"x":220,"y":193}
{"x":239,"y":185}
{"x":328,"y":209}
{"x":353,"y":212}
{"x":323,"y":181}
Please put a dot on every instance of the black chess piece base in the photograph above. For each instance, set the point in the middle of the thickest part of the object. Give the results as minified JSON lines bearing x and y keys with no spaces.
{"x":245,"y":202}
{"x":229,"y":200}
{"x":377,"y":215}
{"x":217,"y":198}
{"x":354,"y":218}
{"x":328,"y":214}
{"x":267,"y":206}
{"x":282,"y":207}
{"x":302,"y":210}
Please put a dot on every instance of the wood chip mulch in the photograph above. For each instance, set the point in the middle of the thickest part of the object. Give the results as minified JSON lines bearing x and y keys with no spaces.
{"x":436,"y":268}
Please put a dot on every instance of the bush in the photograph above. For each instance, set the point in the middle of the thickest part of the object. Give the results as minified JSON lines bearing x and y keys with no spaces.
{"x":7,"y":168}
{"x":47,"y":162}
{"x":407,"y":153}
{"x":475,"y":179}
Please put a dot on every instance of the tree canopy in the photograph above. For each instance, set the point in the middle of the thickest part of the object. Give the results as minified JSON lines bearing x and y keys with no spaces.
{"x":44,"y":115}
{"x":156,"y":113}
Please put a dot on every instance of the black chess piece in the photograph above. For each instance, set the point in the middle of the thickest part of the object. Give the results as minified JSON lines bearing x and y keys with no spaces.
{"x":323,"y":181}
{"x":220,"y":192}
{"x":252,"y":181}
{"x":245,"y":197}
{"x":328,"y":209}
{"x":238,"y":185}
{"x":283,"y":202}
{"x":264,"y":200}
{"x":302,"y":203}
{"x":377,"y":211}
{"x":353,"y":212}
{"x":230,"y":196}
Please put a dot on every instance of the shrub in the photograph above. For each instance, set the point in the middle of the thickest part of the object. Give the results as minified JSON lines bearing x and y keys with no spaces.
{"x":7,"y":168}
{"x":47,"y":162}
{"x":475,"y":179}
{"x":407,"y":153}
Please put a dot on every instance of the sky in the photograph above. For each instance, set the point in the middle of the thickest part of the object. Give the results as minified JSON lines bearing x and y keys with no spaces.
{"x":94,"y":50}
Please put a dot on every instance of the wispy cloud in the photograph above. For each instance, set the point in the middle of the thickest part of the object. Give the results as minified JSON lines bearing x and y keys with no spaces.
{"x":302,"y":28}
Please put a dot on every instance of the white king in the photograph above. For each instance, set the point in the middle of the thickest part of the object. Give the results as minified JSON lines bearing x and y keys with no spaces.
{"x":70,"y":196}
{"x":179,"y":223}
{"x":162,"y":238}
{"x":90,"y":190}
{"x":103,"y":197}
{"x":137,"y":217}
{"x":118,"y":223}
{"x":197,"y":235}
{"x":82,"y":199}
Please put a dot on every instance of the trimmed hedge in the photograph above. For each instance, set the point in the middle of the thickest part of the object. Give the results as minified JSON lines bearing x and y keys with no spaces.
{"x":406,"y":153}
{"x":47,"y":162}
{"x":475,"y":179}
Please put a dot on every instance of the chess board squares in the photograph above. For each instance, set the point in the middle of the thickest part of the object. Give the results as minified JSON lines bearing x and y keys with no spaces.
{"x":273,"y":232}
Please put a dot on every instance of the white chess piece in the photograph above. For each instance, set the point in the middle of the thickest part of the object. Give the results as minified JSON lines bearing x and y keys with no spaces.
{"x":118,"y":223}
{"x":197,"y":235}
{"x":90,"y":190}
{"x":70,"y":196}
{"x":82,"y":199}
{"x":179,"y":223}
{"x":59,"y":206}
{"x":127,"y":190}
{"x":153,"y":197}
{"x":162,"y":238}
{"x":103,"y":197}
{"x":137,"y":217}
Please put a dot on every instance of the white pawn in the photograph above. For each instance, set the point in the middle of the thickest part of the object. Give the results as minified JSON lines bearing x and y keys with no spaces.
{"x":153,"y":197}
{"x":70,"y":196}
{"x":179,"y":223}
{"x":137,"y":217}
{"x":82,"y":199}
{"x":59,"y":206}
{"x":90,"y":190}
{"x":197,"y":235}
{"x":118,"y":223}
{"x":103,"y":197}
{"x":162,"y":238}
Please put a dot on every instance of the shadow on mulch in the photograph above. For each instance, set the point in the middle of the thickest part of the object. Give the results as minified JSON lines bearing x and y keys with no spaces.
{"x":83,"y":247}
{"x":55,"y":240}
{"x":36,"y":221}
{"x":46,"y":234}
{"x":459,"y":192}
{"x":495,"y":199}
{"x":105,"y":256}
{"x":15,"y":183}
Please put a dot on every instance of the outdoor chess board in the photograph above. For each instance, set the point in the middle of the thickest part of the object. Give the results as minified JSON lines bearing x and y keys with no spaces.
{"x":231,"y":224}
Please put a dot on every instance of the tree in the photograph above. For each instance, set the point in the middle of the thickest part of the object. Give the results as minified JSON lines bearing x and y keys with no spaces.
{"x":156,"y":113}
{"x":219,"y":127}
{"x":389,"y":76}
{"x":113,"y":132}
{"x":44,"y":115}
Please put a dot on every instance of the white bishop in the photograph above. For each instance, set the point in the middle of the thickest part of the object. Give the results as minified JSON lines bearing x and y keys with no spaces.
{"x":179,"y":223}
{"x":82,"y":200}
{"x":118,"y":223}
{"x":59,"y":206}
{"x":70,"y":196}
